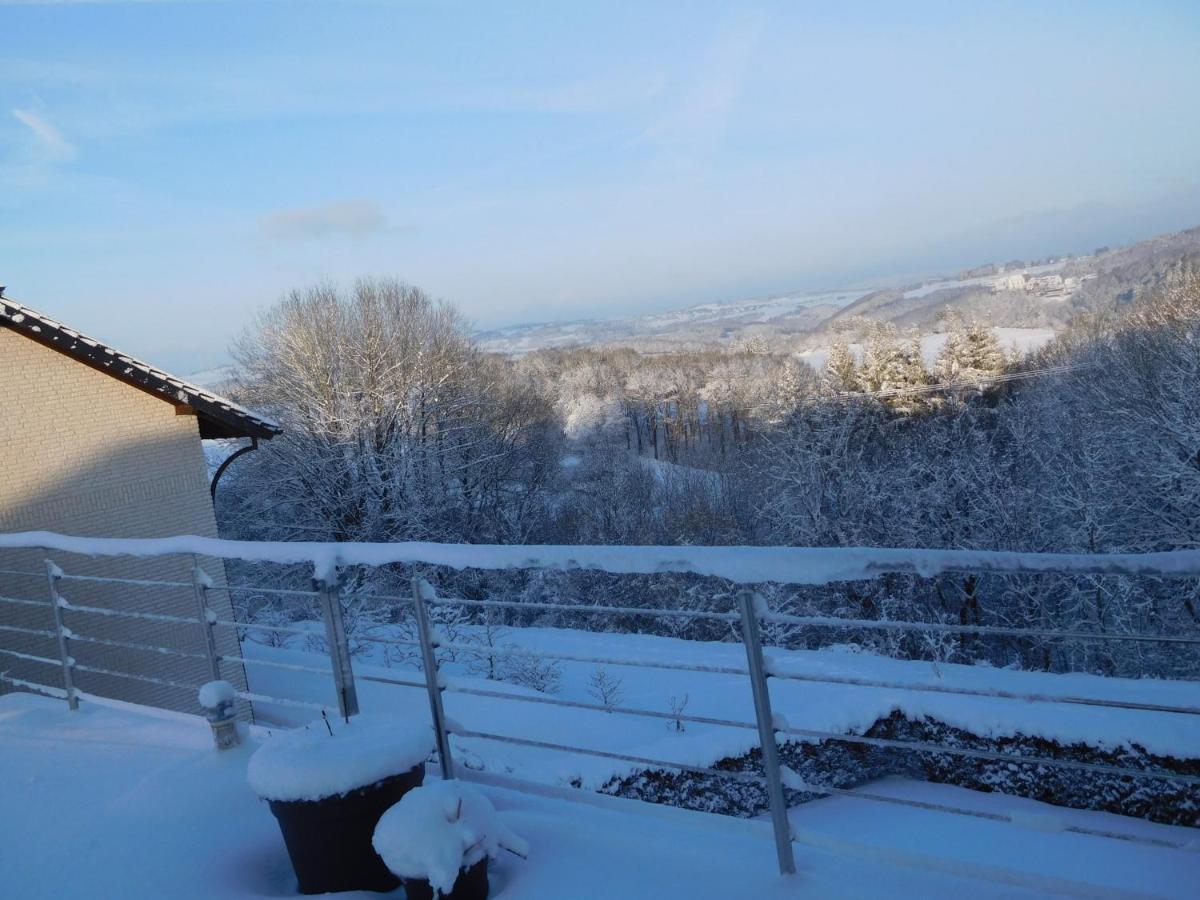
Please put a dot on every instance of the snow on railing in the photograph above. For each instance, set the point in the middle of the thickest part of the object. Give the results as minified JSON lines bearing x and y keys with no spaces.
{"x":743,"y":565}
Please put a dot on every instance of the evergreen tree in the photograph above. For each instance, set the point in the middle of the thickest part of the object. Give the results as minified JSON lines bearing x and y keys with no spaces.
{"x":892,"y":363}
{"x":840,"y":370}
{"x":972,"y":353}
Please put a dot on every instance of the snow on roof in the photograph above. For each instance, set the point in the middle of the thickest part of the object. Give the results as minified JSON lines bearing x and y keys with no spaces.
{"x":219,"y":417}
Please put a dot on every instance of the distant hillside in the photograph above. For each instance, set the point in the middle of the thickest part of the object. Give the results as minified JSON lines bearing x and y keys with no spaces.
{"x":690,"y":328}
{"x":1041,"y":295}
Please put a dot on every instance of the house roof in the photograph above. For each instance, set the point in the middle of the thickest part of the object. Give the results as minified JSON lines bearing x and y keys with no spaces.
{"x":218,"y":417}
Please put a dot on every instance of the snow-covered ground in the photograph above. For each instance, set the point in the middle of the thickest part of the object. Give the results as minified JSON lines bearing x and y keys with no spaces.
{"x":834,"y":708}
{"x":118,"y":801}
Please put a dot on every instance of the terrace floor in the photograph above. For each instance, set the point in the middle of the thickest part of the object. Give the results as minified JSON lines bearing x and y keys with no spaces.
{"x":121,"y":801}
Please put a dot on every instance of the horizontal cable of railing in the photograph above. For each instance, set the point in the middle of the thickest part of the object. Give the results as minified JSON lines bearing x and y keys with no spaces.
{"x":255,"y":589}
{"x":989,"y":755}
{"x":396,"y":642}
{"x":1008,"y":631}
{"x":283,"y":701}
{"x":148,"y":679}
{"x":152,"y":582}
{"x":282,"y":629}
{"x":39,"y":632}
{"x":273,"y":664}
{"x":771,"y":617}
{"x":821,"y":621}
{"x":125,"y":614}
{"x":599,"y":707}
{"x":138,"y":582}
{"x":984,"y":692}
{"x":30,"y":657}
{"x":590,"y":608}
{"x":484,"y":650}
{"x":23,"y":602}
{"x":383,"y":679}
{"x":48,"y":690}
{"x":607,"y":754}
{"x":76,"y":637}
{"x":39,"y":575}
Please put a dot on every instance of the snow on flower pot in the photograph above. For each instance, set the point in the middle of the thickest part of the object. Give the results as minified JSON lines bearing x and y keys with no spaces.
{"x":439,"y":839}
{"x":328,"y":784}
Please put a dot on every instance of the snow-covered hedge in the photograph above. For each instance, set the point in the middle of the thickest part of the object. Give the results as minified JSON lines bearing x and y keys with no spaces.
{"x":847,"y":765}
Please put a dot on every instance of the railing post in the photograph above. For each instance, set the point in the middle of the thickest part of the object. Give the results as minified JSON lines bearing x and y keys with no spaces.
{"x":53,"y":574}
{"x":429,"y":663}
{"x":766,"y":732}
{"x":200,"y":585}
{"x":329,"y":592}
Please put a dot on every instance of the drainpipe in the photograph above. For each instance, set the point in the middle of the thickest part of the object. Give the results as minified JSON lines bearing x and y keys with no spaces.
{"x":212,"y":488}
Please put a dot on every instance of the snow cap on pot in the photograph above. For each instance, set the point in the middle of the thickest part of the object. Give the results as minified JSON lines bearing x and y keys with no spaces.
{"x":440,"y":830}
{"x":328,"y":758}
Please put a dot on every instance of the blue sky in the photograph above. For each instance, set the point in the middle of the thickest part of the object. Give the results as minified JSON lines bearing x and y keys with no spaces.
{"x":166,"y":169}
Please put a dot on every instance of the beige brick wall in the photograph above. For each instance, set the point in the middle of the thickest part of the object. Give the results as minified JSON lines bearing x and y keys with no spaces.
{"x":84,"y":454}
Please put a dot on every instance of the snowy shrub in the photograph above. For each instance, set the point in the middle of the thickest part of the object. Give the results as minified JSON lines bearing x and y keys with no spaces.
{"x":488,"y":635}
{"x":532,"y":672}
{"x":677,"y":706}
{"x":604,"y":688}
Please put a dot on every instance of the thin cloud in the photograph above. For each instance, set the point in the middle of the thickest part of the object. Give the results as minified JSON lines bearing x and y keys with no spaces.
{"x":347,"y":218}
{"x":51,"y":143}
{"x":700,"y":114}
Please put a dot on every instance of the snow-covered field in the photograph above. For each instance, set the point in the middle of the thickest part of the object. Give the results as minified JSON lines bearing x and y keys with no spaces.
{"x":836,"y":708}
{"x":520,"y":339}
{"x":118,"y":801}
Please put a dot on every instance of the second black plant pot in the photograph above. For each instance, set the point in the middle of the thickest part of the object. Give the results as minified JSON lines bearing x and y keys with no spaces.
{"x":471,"y":884}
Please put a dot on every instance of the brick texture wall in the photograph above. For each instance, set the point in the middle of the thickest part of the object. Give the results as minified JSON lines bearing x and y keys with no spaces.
{"x":84,"y":454}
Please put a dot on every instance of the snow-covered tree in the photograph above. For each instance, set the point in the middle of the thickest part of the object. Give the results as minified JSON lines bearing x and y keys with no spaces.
{"x":971,"y":354}
{"x":892,"y":367}
{"x":841,"y":372}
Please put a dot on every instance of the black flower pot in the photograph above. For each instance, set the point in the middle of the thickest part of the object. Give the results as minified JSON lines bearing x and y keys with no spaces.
{"x":329,"y":840}
{"x":471,"y":884}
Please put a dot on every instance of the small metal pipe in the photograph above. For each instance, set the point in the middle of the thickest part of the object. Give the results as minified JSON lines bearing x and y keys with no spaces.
{"x":339,"y":647}
{"x":766,"y":733}
{"x":429,"y":663}
{"x":252,"y":446}
{"x":207,"y":619}
{"x":64,"y":651}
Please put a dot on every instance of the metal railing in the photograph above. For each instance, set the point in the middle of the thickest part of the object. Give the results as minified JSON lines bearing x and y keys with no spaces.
{"x":760,"y":670}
